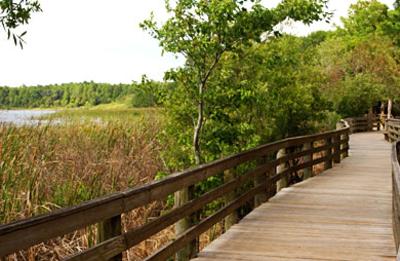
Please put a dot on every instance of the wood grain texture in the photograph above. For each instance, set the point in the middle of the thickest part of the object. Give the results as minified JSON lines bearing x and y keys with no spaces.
{"x":28,"y":232}
{"x":343,"y":214}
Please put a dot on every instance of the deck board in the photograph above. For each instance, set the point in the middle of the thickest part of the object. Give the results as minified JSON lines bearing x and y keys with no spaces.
{"x":343,"y":214}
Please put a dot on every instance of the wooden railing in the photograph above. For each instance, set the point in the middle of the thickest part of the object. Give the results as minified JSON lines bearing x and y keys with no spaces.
{"x":396,"y":192}
{"x":265,"y":169}
{"x":392,"y":132}
{"x":363,"y":124}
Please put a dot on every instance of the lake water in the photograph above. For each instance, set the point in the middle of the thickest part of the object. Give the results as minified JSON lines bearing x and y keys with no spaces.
{"x":23,"y":117}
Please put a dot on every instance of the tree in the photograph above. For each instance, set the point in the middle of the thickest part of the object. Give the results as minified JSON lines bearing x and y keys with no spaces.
{"x":391,"y":26}
{"x":360,"y":94}
{"x":204,"y":30}
{"x":13,"y":14}
{"x":365,"y":17}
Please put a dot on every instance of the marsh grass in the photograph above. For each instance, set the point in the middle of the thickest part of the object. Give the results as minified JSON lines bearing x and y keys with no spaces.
{"x":104,"y":113}
{"x":51,"y":166}
{"x":76,"y":156}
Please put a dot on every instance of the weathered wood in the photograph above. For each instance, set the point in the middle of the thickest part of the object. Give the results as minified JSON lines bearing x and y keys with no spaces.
{"x":105,"y":250}
{"x":181,"y":198}
{"x":307,"y":158}
{"x":232,"y":218}
{"x":396,"y":192}
{"x":393,"y":129}
{"x":370,"y":119}
{"x":337,"y":154}
{"x":283,"y":182}
{"x":108,"y":229}
{"x":342,"y":214}
{"x":168,"y":250}
{"x":260,"y":179}
{"x":22,"y":234}
{"x":286,"y":172}
{"x":328,"y":163}
{"x":138,"y":235}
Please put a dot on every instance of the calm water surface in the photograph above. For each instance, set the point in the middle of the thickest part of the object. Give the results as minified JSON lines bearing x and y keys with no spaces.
{"x":23,"y":117}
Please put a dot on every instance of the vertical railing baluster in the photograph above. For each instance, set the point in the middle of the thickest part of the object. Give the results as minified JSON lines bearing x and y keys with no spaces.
{"x":232,"y":218}
{"x":308,"y":158}
{"x":283,"y":182}
{"x":328,"y":162}
{"x":182,"y":197}
{"x":260,"y":179}
{"x":108,"y":229}
{"x":336,"y":155}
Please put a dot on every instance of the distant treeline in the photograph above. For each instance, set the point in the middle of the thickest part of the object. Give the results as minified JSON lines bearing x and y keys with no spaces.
{"x":142,"y":94}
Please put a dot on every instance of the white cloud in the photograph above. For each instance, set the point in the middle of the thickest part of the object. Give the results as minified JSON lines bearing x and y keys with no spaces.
{"x":99,"y":40}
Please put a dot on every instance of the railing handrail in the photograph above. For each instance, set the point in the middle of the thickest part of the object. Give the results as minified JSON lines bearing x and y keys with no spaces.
{"x":392,"y":129}
{"x":396,"y":192}
{"x":364,"y":123}
{"x":27,"y":232}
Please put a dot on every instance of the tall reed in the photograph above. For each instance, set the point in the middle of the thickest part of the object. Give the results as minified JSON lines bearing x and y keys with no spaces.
{"x":46,"y":167}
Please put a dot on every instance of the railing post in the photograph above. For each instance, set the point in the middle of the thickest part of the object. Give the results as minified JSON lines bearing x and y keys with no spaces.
{"x":336,"y":155}
{"x":308,"y":158}
{"x":181,"y":197}
{"x":260,"y":179}
{"x":328,"y":162}
{"x":231,"y":219}
{"x":346,"y":145}
{"x":108,"y":229}
{"x":271,"y":186}
{"x":370,"y":119}
{"x":283,"y":182}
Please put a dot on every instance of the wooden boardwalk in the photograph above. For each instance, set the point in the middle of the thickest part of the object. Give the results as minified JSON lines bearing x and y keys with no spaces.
{"x":343,"y":214}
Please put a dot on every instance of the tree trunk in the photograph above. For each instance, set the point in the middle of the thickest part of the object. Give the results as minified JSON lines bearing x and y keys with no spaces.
{"x":389,"y":114}
{"x":383,"y":119}
{"x":199,"y":126}
{"x":183,"y":196}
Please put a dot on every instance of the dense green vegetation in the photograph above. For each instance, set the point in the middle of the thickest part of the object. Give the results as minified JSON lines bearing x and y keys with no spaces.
{"x":145,"y":94}
{"x":230,"y":96}
{"x":243,"y":84}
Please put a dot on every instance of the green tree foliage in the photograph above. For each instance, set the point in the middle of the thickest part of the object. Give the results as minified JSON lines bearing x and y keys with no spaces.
{"x":203,"y":32}
{"x":145,"y":94}
{"x":361,"y":60}
{"x":360,"y":94}
{"x":365,"y":17}
{"x":391,"y":26}
{"x":14,"y":14}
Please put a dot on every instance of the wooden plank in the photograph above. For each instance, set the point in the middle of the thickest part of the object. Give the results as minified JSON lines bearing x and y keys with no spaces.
{"x":343,"y":214}
{"x":168,"y":250}
{"x":22,"y":234}
{"x":138,"y":235}
{"x":109,"y":229}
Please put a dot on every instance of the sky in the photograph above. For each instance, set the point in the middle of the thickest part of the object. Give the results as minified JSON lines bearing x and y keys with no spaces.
{"x":101,"y":41}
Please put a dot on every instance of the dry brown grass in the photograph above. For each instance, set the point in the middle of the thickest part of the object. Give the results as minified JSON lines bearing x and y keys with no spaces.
{"x":48,"y":167}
